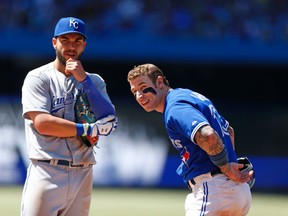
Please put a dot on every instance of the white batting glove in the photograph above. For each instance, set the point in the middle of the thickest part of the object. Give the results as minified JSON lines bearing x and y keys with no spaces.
{"x":103,"y":127}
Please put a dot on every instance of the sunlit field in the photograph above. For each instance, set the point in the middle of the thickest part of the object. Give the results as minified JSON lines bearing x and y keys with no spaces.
{"x":148,"y":202}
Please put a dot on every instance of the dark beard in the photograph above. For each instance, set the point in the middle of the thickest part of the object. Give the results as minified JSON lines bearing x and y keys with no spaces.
{"x":62,"y":59}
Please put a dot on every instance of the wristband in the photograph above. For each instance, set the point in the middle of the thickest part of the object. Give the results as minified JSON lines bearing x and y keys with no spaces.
{"x":220,"y":159}
{"x":82,"y":129}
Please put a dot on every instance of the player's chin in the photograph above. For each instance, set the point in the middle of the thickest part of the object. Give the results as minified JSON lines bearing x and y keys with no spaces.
{"x":147,"y":108}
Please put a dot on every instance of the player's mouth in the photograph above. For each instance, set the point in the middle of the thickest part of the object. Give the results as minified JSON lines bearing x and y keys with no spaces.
{"x":144,"y":102}
{"x":72,"y":55}
{"x":147,"y":105}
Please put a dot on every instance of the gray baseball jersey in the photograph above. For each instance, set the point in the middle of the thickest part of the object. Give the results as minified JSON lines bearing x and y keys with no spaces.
{"x":47,"y":90}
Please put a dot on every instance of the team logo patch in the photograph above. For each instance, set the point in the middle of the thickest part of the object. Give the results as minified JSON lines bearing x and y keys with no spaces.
{"x":73,"y":23}
{"x":186,"y":157}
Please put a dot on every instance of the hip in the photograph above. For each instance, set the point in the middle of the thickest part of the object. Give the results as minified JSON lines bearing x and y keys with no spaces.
{"x":218,"y":194}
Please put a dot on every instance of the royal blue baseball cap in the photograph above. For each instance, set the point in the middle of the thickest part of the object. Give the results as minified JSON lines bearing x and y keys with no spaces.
{"x":68,"y":25}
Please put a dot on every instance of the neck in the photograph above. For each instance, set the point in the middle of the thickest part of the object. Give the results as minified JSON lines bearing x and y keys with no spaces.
{"x":163,"y":99}
{"x":168,"y":90}
{"x":59,"y":66}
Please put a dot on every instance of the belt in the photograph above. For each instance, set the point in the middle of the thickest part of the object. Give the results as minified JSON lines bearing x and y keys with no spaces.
{"x":62,"y":162}
{"x":212,"y":173}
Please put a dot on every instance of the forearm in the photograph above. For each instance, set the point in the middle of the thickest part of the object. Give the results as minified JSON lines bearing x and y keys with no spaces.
{"x":49,"y":125}
{"x":208,"y":139}
{"x":218,"y":154}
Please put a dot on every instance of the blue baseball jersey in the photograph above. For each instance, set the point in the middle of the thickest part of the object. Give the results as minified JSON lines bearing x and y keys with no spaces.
{"x":184,"y":113}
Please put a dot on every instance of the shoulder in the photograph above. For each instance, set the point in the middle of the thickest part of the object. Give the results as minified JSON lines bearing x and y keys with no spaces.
{"x":176,"y":100}
{"x":178,"y":95}
{"x":41,"y":72}
{"x":180,"y":92}
{"x":181,"y":101}
{"x":188,"y":96}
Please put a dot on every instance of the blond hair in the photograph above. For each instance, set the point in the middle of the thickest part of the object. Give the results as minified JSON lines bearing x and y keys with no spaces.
{"x":150,"y":70}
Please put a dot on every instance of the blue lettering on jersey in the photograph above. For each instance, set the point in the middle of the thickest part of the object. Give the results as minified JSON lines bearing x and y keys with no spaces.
{"x":58,"y":103}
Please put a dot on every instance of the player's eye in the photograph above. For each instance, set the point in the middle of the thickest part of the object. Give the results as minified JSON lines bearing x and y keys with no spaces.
{"x":80,"y":41}
{"x":64,"y":41}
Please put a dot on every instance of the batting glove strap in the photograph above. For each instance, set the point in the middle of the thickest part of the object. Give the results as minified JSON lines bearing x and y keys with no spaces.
{"x":103,"y":127}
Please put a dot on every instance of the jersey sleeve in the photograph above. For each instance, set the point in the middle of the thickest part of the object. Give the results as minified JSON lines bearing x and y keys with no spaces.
{"x":97,"y":95}
{"x":35,"y":95}
{"x":100,"y":85}
{"x":185,"y":119}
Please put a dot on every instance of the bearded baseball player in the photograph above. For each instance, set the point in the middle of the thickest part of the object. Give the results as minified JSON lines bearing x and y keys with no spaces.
{"x":205,"y":140}
{"x":65,"y":109}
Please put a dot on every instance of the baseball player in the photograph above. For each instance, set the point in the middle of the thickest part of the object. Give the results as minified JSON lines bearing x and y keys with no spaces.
{"x":59,"y":177}
{"x":205,"y":142}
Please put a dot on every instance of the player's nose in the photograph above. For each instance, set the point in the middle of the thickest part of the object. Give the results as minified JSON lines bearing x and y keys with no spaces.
{"x":71,"y":46}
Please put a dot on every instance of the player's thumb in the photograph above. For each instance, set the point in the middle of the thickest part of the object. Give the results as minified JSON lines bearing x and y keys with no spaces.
{"x":240,"y":166}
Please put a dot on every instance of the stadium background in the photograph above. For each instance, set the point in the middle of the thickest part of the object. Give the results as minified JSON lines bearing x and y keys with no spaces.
{"x":234,"y":52}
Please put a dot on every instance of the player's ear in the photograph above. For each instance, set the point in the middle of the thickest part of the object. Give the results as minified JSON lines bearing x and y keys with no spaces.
{"x":159,"y":81}
{"x":54,"y":42}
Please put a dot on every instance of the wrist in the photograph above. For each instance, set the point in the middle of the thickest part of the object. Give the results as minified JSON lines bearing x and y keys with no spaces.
{"x":225,"y":168}
{"x":220,"y":159}
{"x":85,"y":79}
{"x":83,"y":129}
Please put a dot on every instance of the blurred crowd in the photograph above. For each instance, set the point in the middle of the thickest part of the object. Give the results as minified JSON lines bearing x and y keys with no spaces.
{"x":260,"y":20}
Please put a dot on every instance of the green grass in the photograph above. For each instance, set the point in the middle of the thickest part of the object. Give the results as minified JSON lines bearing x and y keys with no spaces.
{"x":140,"y":202}
{"x":145,"y":202}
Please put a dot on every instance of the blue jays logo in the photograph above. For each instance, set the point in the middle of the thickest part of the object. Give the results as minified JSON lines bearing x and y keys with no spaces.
{"x":185,"y":157}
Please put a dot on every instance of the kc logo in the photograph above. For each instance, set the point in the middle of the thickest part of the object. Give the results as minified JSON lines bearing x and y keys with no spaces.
{"x":74,"y":23}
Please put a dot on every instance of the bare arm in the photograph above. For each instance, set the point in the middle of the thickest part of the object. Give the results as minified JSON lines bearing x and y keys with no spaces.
{"x":47,"y":124}
{"x":208,"y":139}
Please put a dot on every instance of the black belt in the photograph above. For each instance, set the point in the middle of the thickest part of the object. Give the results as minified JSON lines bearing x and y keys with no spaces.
{"x":213,"y":173}
{"x":62,"y":162}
